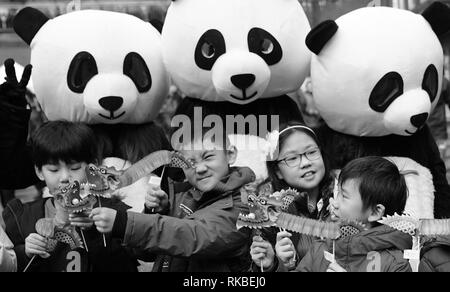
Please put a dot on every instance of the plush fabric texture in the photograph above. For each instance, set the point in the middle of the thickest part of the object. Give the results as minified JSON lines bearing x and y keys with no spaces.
{"x":236,"y":32}
{"x":420,"y":202}
{"x":371,"y":43}
{"x":96,"y":67}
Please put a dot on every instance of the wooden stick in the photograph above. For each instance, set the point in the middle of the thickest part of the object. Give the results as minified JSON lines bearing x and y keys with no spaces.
{"x":162,"y":175}
{"x":29,"y":263}
{"x":103,"y":235}
{"x":85,"y":242}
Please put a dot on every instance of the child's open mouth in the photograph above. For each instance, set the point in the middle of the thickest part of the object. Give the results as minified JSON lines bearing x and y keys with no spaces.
{"x":309,"y":174}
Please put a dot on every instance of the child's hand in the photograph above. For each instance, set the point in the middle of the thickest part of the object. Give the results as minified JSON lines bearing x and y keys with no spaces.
{"x":81,"y":220}
{"x":262,"y":252}
{"x":36,"y":244}
{"x":103,"y":219}
{"x":156,"y":199}
{"x":285,"y":248}
{"x":335,"y":267}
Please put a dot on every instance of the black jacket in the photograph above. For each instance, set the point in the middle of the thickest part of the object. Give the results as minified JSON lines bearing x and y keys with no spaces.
{"x":20,"y":220}
{"x":435,"y":255}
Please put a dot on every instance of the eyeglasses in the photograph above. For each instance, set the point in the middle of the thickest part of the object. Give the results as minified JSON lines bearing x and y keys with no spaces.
{"x":295,"y":160}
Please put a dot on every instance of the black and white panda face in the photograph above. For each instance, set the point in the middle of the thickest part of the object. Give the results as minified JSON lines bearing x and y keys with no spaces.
{"x":88,"y":67}
{"x":380,"y":74}
{"x":235,"y":50}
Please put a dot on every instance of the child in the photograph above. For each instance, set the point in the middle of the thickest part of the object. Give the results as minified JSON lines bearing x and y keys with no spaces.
{"x":61,"y":151}
{"x":435,"y":254}
{"x":301,"y":166}
{"x":8,"y":261}
{"x":370,"y":188}
{"x":199,"y":233}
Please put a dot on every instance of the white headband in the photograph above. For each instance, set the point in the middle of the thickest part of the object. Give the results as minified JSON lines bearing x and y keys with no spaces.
{"x":299,"y":127}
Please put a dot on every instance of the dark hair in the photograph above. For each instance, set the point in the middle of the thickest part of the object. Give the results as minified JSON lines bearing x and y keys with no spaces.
{"x":325,"y":186}
{"x":63,"y":141}
{"x":380,"y":182}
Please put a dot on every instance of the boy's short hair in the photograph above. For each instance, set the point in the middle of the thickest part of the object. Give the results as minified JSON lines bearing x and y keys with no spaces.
{"x":380,"y":182}
{"x":63,"y":141}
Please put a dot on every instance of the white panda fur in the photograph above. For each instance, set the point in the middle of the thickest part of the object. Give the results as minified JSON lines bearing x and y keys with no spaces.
{"x":108,"y":37}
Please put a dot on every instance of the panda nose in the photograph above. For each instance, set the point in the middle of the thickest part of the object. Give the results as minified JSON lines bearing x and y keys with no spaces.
{"x":243,"y":81}
{"x":419,"y":120}
{"x":111,"y":103}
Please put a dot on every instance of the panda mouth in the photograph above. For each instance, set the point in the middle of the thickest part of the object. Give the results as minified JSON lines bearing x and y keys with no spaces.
{"x":244,"y":95}
{"x":111,"y":116}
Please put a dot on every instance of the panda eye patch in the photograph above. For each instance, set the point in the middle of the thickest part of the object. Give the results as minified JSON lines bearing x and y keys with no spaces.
{"x":265,"y":45}
{"x":135,"y":67}
{"x":82,"y":68}
{"x":210,"y":47}
{"x":431,"y":82}
{"x":388,"y":89}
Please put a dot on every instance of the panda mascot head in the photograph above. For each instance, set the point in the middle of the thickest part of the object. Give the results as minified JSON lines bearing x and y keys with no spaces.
{"x":97,"y":67}
{"x":234,"y":57}
{"x":377,"y":75}
{"x":378,"y":71}
{"x":234,"y":50}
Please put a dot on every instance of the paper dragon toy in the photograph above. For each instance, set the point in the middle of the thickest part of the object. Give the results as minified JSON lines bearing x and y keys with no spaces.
{"x":101,"y":182}
{"x":270,"y":210}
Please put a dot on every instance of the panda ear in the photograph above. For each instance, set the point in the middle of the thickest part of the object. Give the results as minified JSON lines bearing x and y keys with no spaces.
{"x":28,"y":22}
{"x":321,"y":35}
{"x":438,"y":16}
{"x":158,"y":24}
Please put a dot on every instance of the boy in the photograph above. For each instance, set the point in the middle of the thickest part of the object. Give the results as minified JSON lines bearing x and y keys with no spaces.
{"x":369,"y":189}
{"x":198,"y":232}
{"x":61,"y":151}
{"x":8,"y":261}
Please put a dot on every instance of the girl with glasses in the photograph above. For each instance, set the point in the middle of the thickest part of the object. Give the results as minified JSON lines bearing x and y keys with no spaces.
{"x":302,"y":166}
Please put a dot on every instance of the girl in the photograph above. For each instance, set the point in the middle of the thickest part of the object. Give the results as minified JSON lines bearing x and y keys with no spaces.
{"x":301,"y":165}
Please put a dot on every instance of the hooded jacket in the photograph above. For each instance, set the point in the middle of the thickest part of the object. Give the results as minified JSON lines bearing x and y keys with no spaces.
{"x":199,"y":232}
{"x":436,"y":255}
{"x":379,"y":249}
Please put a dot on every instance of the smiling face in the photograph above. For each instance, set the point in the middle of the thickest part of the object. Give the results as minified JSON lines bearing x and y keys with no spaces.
{"x":348,"y":204}
{"x":234,"y":50}
{"x":210,"y":165}
{"x":308,"y":174}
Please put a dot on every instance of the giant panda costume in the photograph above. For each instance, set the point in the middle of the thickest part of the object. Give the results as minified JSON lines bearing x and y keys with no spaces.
{"x":234,"y":57}
{"x":377,"y":74}
{"x":102,"y":68}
